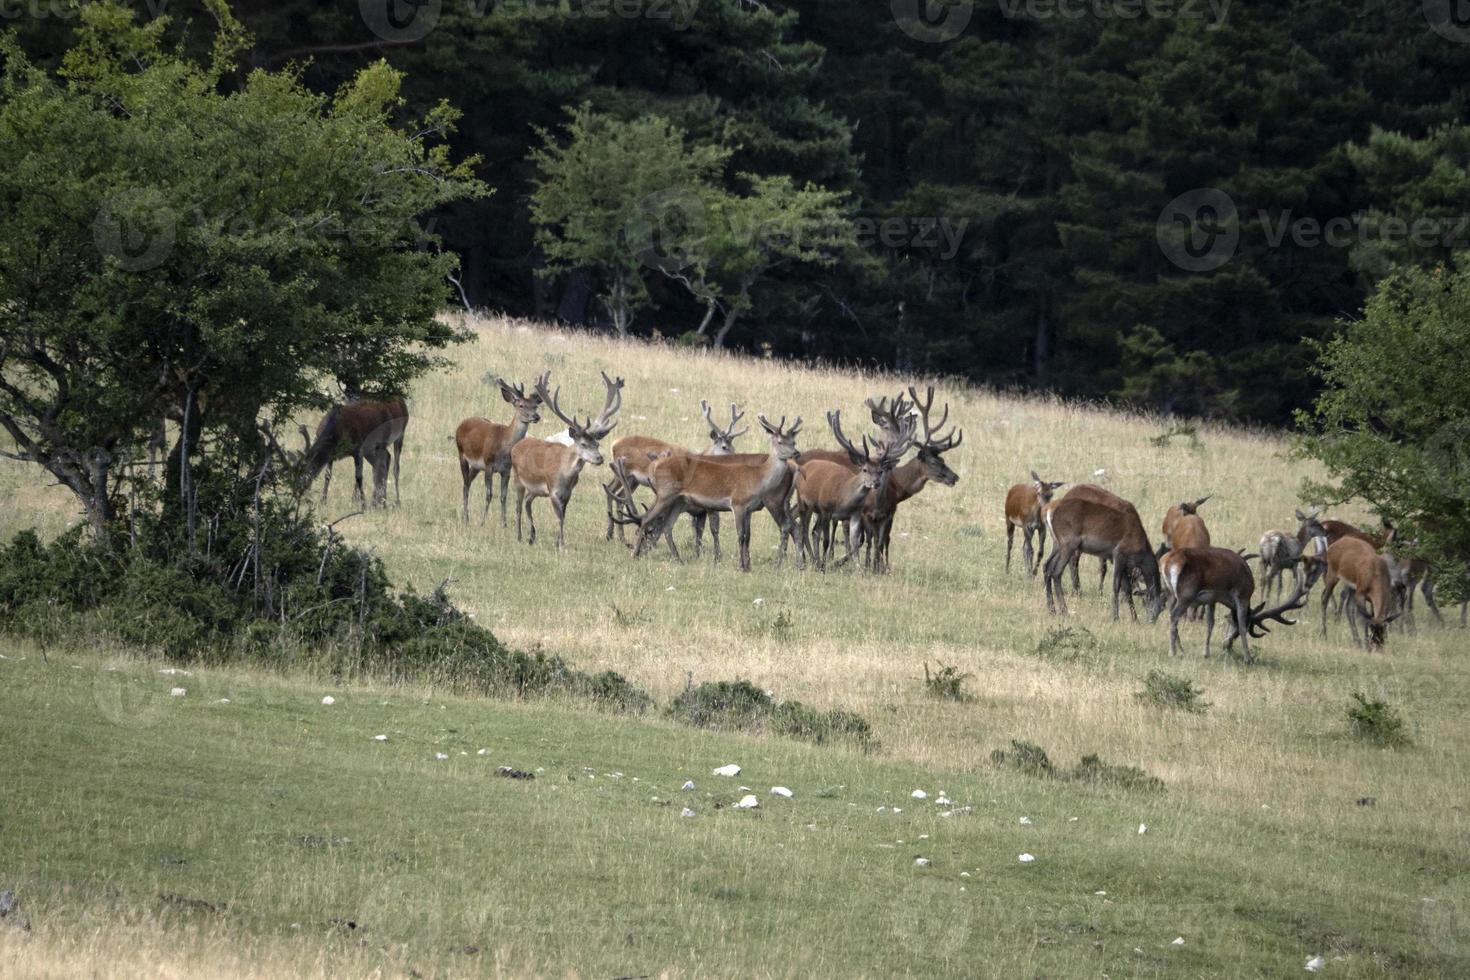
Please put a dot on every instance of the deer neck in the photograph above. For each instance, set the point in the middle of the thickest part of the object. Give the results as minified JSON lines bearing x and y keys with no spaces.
{"x":776,"y":470}
{"x":905,"y":481}
{"x":518,"y":429}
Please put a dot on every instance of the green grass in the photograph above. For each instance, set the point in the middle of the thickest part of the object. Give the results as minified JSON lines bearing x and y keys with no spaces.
{"x":1258,"y":852}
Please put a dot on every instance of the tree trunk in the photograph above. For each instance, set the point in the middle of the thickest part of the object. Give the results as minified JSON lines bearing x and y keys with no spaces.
{"x":732,"y":314}
{"x":709,"y":316}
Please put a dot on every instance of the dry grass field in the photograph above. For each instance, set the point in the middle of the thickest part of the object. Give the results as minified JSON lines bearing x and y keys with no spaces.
{"x":1259,"y":836}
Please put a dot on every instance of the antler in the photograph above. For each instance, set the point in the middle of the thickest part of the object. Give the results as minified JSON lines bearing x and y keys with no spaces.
{"x":621,"y":506}
{"x":900,"y":443}
{"x":834,"y":419}
{"x":1258,"y":620}
{"x":549,"y":399}
{"x":604,"y":423}
{"x":735,"y":417}
{"x":886,"y":417}
{"x":931,"y":432}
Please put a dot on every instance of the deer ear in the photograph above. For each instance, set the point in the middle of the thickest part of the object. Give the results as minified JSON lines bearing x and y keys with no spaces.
{"x":1035,"y":478}
{"x":1300,"y":516}
{"x":506,"y":393}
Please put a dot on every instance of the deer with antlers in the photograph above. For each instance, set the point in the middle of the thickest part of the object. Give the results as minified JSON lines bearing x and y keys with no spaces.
{"x":1207,"y":577}
{"x":1024,"y":502}
{"x":1354,"y":561}
{"x":738,"y":484}
{"x":835,"y":494}
{"x":1079,"y":525}
{"x":364,"y":430}
{"x":550,"y":469}
{"x":638,"y":454}
{"x":484,"y":447}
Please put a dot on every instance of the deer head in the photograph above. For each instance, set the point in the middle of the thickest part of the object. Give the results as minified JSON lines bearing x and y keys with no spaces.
{"x":585,"y":436}
{"x":932,"y":447}
{"x":526,"y":406}
{"x":874,"y":469}
{"x":1190,"y":507}
{"x":722,"y":438}
{"x":1045,"y":490}
{"x":783,"y":440}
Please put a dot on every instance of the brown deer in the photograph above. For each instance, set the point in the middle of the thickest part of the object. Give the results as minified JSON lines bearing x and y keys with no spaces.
{"x":1079,"y":525}
{"x":638,"y":453}
{"x":1207,"y":577}
{"x":550,"y":469}
{"x":371,"y":430}
{"x":1099,"y":495}
{"x":1354,"y":561}
{"x":835,"y":494}
{"x":1175,"y":514}
{"x":484,"y":447}
{"x":1190,"y":532}
{"x":1024,"y":502}
{"x":683,"y":480}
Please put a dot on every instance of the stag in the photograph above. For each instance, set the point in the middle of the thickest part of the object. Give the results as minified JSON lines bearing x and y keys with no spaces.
{"x":371,"y":430}
{"x":1207,"y":577}
{"x":1024,"y":502}
{"x":836,"y":494}
{"x":549,"y":469}
{"x":1079,"y":525}
{"x":1354,"y":561}
{"x":684,"y":480}
{"x":484,"y":447}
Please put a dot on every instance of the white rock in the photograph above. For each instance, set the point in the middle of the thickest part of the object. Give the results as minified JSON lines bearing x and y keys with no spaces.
{"x":943,"y":801}
{"x":1143,"y":828}
{"x":1071,"y":820}
{"x":1178,"y":941}
{"x":781,"y":791}
{"x":1315,"y":963}
{"x":329,"y":700}
{"x":731,"y":770}
{"x":922,"y":862}
{"x":748,"y":802}
{"x":688,"y":785}
{"x":742,"y":789}
{"x":178,"y":692}
{"x":220,"y":701}
{"x":923,"y":837}
{"x":758,"y":602}
{"x":1099,"y":893}
{"x":1027,"y":858}
{"x":1025,"y":821}
{"x":919,"y":794}
{"x":898,"y":809}
{"x":440,"y":756}
{"x":668,"y":588}
{"x":964,"y":874}
{"x":686,"y":812}
{"x":483,"y":752}
{"x":380,"y":738}
{"x":175,"y":671}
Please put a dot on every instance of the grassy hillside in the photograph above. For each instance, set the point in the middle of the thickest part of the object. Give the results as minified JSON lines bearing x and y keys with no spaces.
{"x":1258,"y":853}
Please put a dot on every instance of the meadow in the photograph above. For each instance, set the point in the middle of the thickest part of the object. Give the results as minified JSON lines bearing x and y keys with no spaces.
{"x":1278,"y":836}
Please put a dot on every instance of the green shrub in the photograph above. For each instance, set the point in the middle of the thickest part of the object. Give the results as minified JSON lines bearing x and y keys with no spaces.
{"x":1066,"y":644}
{"x":946,"y":682}
{"x":1168,"y":691}
{"x":743,"y":707}
{"x":1032,"y":760}
{"x":1376,"y":722}
{"x":1024,"y":757}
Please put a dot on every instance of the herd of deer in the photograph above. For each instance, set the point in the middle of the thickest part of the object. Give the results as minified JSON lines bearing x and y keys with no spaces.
{"x":811,"y":494}
{"x":1378,"y":585}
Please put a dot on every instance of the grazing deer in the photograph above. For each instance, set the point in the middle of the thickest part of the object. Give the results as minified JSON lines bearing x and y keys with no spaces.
{"x":1353,"y":561}
{"x":1207,"y":577}
{"x":549,"y":469}
{"x":835,"y":494}
{"x":1081,"y":525}
{"x":1175,"y":514}
{"x":1409,"y":575}
{"x":1099,"y":495}
{"x":638,"y":453}
{"x":1024,"y":502}
{"x":622,"y":505}
{"x":911,"y":477}
{"x":737,"y":484}
{"x":371,"y":430}
{"x":484,"y":447}
{"x":1279,"y":552}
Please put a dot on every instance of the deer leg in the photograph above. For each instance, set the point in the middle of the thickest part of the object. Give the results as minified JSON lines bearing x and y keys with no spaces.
{"x":1102,"y":575}
{"x":1010,"y":543}
{"x":520,"y":504}
{"x":1174,"y":616}
{"x":1209,"y":627}
{"x":559,"y":508}
{"x":467,"y":474}
{"x":1327,"y":591}
{"x":1426,"y":589}
{"x":1120,"y":583}
{"x":1352,"y":618}
{"x":714,"y":537}
{"x":504,"y":484}
{"x":1028,"y":553}
{"x":1040,"y":546}
{"x":381,"y":465}
{"x":1061,"y":557}
{"x":742,"y":531}
{"x":1242,"y":628}
{"x":649,"y":529}
{"x":326,"y":481}
{"x":803,"y":541}
{"x":1076,"y":572}
{"x":357,"y":494}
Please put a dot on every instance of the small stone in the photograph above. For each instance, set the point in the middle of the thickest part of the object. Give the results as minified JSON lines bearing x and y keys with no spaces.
{"x":1178,"y":941}
{"x":1099,"y":893}
{"x":329,"y":700}
{"x":220,"y":701}
{"x":964,"y":874}
{"x":440,"y":756}
{"x":781,"y":791}
{"x":1315,"y":963}
{"x":922,"y":862}
{"x":668,"y":588}
{"x":748,"y":802}
{"x":898,"y":809}
{"x":1071,"y":820}
{"x":1027,"y":858}
{"x":688,"y":785}
{"x":380,"y":738}
{"x":758,"y":602}
{"x":1143,"y":828}
{"x":178,"y":692}
{"x":943,"y":801}
{"x":483,"y":752}
{"x":919,"y":794}
{"x":686,"y":812}
{"x":731,"y":770}
{"x":175,"y":671}
{"x":1025,"y":821}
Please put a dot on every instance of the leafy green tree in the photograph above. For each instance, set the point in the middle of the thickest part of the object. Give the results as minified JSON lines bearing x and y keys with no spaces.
{"x":169,"y":246}
{"x":622,"y":198}
{"x":1392,"y":425}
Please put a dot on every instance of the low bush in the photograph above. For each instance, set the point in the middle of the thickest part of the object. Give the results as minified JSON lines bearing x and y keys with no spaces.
{"x":1165,"y":690}
{"x":946,"y":683}
{"x":1376,"y":722}
{"x":1031,"y":759}
{"x":740,"y":706}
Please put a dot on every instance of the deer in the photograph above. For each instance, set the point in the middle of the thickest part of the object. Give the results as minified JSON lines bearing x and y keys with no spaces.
{"x":1354,"y":561}
{"x":484,"y":447}
{"x":1097,"y":494}
{"x":1080,"y":525}
{"x":836,"y":494}
{"x":371,"y":430}
{"x":1024,"y":502}
{"x":908,"y":479}
{"x":1175,"y":514}
{"x":1411,"y":574}
{"x":1207,"y":577}
{"x":684,"y":480}
{"x":639,"y":452}
{"x":549,"y":469}
{"x":1280,"y":551}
